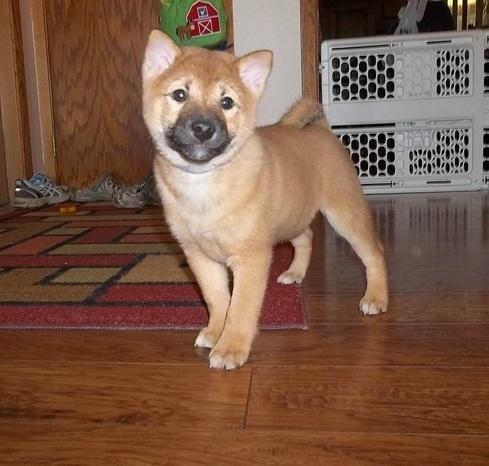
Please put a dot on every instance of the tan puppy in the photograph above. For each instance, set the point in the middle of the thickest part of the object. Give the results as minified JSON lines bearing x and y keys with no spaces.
{"x":231,"y":192}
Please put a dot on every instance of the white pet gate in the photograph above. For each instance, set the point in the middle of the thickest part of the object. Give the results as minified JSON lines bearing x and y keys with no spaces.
{"x":412,"y":109}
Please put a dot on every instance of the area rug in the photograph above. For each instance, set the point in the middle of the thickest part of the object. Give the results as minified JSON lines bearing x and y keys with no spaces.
{"x":108,"y":268}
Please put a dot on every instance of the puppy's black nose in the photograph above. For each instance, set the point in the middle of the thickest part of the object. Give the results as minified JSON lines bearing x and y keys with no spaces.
{"x":203,"y":129}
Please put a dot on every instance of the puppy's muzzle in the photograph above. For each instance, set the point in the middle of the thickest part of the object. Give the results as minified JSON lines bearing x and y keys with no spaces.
{"x":198,"y":138}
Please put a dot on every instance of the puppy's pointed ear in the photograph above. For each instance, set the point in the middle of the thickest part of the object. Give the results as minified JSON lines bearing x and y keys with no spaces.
{"x":160,"y":54}
{"x":254,"y":69}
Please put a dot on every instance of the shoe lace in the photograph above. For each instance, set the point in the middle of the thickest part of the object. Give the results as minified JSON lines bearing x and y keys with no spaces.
{"x":47,"y":188}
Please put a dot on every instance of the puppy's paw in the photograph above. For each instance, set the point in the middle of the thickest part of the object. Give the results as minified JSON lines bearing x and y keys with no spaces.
{"x":370,"y":305}
{"x":229,"y":356}
{"x":289,"y":277}
{"x":207,"y":338}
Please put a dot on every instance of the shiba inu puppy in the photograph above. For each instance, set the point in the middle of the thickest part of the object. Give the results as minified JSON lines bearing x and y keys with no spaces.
{"x":231,"y":191}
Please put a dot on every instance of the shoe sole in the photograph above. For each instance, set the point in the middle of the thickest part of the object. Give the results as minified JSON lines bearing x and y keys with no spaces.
{"x":39,"y":202}
{"x":128,"y":205}
{"x":29,"y":203}
{"x":91,"y":197}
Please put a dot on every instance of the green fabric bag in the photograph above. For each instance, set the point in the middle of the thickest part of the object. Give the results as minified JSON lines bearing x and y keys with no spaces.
{"x":199,"y":23}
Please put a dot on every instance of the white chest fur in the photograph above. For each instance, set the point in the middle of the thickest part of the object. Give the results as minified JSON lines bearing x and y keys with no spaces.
{"x":191,"y":202}
{"x":195,"y":194}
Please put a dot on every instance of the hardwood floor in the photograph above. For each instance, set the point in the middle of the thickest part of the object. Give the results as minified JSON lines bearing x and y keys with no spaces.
{"x":410,"y":387}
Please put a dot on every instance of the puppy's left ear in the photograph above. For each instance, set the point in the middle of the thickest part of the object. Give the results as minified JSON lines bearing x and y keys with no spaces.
{"x":254,"y":69}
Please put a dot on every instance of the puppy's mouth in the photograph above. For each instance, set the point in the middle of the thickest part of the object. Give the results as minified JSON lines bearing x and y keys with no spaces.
{"x":198,"y":139}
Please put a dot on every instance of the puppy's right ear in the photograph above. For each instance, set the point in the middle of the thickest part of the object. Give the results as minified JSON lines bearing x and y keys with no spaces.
{"x":160,"y":54}
{"x":254,"y":69}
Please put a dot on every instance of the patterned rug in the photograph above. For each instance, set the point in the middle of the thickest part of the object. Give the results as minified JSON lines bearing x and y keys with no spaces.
{"x":108,"y":268}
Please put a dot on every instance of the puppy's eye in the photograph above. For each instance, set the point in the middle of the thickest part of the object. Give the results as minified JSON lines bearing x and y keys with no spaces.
{"x":227,"y":103}
{"x":180,"y":95}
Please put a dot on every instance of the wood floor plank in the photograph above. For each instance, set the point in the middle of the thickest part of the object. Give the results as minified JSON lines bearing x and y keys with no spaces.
{"x":407,"y":274}
{"x":404,"y":308}
{"x":424,"y":247}
{"x":369,"y":342}
{"x":123,"y":394}
{"x":169,"y":347}
{"x":373,"y":343}
{"x":35,"y":445}
{"x":380,"y":399}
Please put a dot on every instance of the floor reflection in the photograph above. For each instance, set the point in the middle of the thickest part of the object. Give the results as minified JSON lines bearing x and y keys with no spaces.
{"x":433,"y":242}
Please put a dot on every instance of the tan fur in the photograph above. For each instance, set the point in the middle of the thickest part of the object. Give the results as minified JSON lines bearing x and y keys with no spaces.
{"x":270,"y":184}
{"x":303,"y":113}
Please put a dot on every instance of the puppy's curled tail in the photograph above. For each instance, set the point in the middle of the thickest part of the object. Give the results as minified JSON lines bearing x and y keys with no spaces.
{"x":303,"y":113}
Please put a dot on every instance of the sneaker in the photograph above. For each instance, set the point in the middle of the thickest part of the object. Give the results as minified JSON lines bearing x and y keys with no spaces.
{"x":38,"y":191}
{"x":136,"y":196}
{"x":152,"y":197}
{"x":101,"y":190}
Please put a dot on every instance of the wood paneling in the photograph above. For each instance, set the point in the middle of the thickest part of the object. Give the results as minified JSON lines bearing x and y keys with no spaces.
{"x":95,"y":54}
{"x":13,"y":96}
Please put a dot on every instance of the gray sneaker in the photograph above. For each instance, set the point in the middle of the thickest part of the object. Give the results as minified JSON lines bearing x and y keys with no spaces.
{"x":136,"y":196}
{"x":37,"y":191}
{"x":101,"y":190}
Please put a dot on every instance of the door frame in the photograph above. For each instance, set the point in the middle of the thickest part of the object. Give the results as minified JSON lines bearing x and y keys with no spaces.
{"x":15,"y":116}
{"x":310,"y":48}
{"x":4,"y":188}
{"x":43,"y":84}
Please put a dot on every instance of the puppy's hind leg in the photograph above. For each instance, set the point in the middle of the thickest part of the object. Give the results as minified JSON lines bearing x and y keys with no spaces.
{"x":352,"y":220}
{"x":302,"y":256}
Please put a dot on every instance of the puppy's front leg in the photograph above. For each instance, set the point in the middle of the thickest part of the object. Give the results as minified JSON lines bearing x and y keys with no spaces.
{"x":250,"y":282}
{"x":213,"y":280}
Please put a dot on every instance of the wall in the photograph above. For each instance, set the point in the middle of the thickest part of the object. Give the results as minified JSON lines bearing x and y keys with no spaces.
{"x":273,"y":25}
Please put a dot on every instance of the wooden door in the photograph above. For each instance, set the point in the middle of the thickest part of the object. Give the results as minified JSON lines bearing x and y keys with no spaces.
{"x":95,"y":49}
{"x":347,"y":18}
{"x":358,"y":18}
